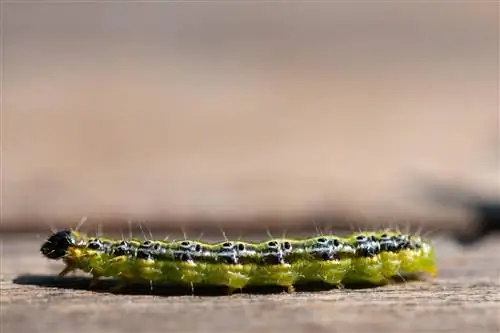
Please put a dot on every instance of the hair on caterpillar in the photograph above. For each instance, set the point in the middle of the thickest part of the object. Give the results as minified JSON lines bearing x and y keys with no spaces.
{"x":80,"y":224}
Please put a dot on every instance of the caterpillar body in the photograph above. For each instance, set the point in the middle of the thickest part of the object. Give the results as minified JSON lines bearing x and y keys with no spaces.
{"x":367,"y":257}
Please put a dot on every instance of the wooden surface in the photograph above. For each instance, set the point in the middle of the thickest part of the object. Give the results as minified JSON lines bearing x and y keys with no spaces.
{"x":465,"y":298}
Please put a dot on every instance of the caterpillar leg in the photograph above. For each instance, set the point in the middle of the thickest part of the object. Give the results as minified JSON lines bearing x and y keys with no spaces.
{"x":121,"y":285}
{"x":236,"y":281}
{"x":339,"y":286}
{"x":231,"y":290}
{"x":68,"y":269}
{"x":94,"y":281}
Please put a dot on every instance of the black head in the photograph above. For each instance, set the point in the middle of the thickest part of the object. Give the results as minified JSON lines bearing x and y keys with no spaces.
{"x":56,"y":246}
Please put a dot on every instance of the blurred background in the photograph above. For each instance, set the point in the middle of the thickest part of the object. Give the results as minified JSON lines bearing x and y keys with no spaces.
{"x":241,"y":115}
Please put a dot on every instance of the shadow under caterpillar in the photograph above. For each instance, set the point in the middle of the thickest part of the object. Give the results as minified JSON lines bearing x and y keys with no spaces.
{"x":365,"y":258}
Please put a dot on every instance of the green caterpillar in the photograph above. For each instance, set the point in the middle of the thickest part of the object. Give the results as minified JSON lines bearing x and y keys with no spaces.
{"x":369,"y":257}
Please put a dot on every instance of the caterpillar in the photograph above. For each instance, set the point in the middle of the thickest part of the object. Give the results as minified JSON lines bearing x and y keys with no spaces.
{"x":375,"y":258}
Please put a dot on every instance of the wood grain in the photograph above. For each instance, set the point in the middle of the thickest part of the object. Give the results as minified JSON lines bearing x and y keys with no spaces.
{"x":465,"y":298}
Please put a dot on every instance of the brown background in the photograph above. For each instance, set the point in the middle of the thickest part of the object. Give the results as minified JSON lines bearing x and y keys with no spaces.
{"x":246,"y":112}
{"x":246,"y":115}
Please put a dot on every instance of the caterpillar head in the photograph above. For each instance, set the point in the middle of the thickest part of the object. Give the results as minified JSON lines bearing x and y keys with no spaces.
{"x":56,"y":246}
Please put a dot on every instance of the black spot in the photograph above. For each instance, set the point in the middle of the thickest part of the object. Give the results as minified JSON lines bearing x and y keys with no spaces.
{"x":272,"y":244}
{"x":322,"y":240}
{"x":361,"y":238}
{"x":335,"y":242}
{"x":197,"y":248}
{"x":241,"y":247}
{"x":402,"y":243}
{"x":150,"y":251}
{"x":364,"y":252}
{"x":182,"y":256}
{"x":144,"y":253}
{"x":227,"y":254}
{"x":185,"y":243}
{"x":147,"y":243}
{"x":123,"y":249}
{"x":95,"y":244}
{"x":287,"y":246}
{"x":57,"y":244}
{"x":368,"y":249}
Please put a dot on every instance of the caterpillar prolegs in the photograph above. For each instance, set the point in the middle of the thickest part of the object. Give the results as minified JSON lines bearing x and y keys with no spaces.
{"x":374,"y":258}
